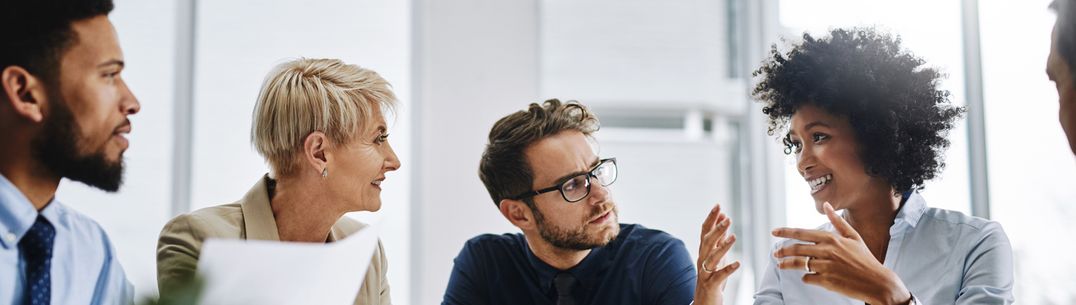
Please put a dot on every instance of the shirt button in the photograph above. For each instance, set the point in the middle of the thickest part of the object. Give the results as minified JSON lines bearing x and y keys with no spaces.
{"x":9,"y":237}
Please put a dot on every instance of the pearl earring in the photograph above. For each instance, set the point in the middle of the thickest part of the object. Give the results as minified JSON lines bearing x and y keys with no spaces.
{"x":325,"y":172}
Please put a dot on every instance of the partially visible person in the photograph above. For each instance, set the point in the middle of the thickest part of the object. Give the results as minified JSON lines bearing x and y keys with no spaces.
{"x":63,"y":114}
{"x":320,"y":126}
{"x":867,"y":123}
{"x":1060,"y":68}
{"x":543,"y":172}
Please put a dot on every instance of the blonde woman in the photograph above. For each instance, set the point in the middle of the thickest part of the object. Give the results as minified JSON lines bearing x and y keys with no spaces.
{"x":318,"y":123}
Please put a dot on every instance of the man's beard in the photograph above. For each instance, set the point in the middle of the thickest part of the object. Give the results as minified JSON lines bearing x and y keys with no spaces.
{"x":56,"y":147}
{"x":570,"y":239}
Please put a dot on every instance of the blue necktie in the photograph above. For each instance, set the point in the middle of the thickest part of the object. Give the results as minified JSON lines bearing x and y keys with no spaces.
{"x":36,"y":248}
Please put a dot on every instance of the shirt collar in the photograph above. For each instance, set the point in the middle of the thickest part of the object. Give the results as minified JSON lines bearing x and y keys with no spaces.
{"x":911,"y":211}
{"x":17,"y":213}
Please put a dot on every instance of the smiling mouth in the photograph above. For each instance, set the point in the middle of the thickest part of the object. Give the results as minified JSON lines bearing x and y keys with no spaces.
{"x":817,"y":184}
{"x":377,"y":183}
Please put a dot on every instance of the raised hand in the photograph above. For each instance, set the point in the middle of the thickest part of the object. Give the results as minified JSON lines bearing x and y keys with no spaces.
{"x":841,"y":263}
{"x":715,"y":244}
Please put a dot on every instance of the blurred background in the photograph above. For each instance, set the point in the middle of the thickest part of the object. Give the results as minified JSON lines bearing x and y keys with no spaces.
{"x":670,"y":81}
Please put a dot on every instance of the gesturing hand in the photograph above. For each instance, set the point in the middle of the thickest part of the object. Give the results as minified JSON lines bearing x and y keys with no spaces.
{"x":841,"y":263}
{"x":712,"y":250}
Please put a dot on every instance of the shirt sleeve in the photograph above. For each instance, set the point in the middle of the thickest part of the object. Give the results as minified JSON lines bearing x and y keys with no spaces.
{"x":769,"y":290}
{"x":465,"y":286}
{"x":177,"y":255}
{"x":988,"y":269}
{"x":670,"y":275}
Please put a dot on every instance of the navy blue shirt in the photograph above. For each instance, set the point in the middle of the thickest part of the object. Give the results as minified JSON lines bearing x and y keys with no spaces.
{"x":641,"y":266}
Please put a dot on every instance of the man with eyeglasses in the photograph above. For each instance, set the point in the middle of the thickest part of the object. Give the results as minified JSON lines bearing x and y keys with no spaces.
{"x":543,"y":173}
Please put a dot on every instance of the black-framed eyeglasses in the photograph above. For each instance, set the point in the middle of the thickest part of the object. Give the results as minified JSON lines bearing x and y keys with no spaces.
{"x":577,"y":187}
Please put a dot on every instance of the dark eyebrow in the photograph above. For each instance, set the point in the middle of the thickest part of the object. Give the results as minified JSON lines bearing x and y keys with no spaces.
{"x":111,"y":62}
{"x":565,"y":178}
{"x":792,"y":132}
{"x":816,"y":123}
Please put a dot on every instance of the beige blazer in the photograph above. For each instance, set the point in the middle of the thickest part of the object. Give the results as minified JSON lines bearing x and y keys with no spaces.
{"x":249,"y":218}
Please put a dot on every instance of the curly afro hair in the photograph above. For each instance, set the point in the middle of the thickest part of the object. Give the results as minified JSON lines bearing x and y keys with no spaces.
{"x":893,"y":102}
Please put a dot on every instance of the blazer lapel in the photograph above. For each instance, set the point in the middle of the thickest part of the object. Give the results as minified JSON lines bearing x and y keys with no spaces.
{"x":258,"y":220}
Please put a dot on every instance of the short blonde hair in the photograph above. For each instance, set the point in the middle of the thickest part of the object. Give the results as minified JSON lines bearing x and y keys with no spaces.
{"x":307,"y":95}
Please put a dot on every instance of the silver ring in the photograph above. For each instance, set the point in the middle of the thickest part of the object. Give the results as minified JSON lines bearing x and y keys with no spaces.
{"x":807,"y":265}
{"x":704,"y":266}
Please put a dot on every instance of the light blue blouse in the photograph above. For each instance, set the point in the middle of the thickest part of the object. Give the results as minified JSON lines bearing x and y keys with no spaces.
{"x":943,"y":257}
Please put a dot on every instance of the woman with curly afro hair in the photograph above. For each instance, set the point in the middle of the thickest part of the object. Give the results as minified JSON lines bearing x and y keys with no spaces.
{"x":867,"y":123}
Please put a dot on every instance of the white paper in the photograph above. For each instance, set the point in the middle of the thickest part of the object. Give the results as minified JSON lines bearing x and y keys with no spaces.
{"x":268,"y":272}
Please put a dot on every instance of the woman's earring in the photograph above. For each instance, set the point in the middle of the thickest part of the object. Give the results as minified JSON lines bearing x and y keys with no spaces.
{"x":325,"y":172}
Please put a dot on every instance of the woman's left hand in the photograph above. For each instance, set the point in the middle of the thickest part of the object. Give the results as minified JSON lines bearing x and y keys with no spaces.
{"x":841,"y":262}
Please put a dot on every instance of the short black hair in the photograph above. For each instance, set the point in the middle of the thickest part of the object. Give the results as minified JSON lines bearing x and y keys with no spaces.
{"x":893,"y":102}
{"x":503,"y":168}
{"x":36,"y":33}
{"x":1066,"y":32}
